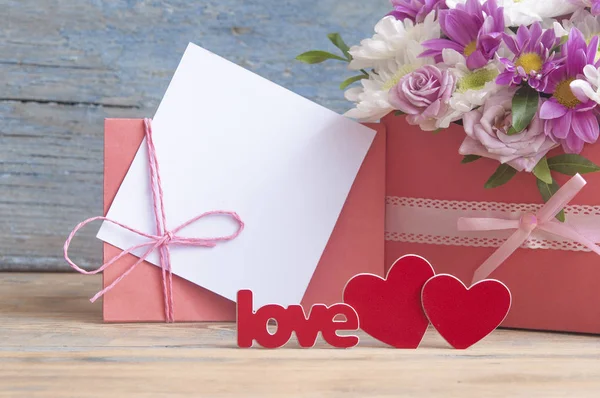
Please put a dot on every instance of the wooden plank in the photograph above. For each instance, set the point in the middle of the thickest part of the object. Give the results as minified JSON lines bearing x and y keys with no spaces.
{"x":53,"y":344}
{"x":65,"y":66}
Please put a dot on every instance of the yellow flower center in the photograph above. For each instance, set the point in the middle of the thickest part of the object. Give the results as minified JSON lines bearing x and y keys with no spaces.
{"x":564,"y":95}
{"x":530,"y":62}
{"x":403,"y":71}
{"x":476,"y":80}
{"x":470,"y":48}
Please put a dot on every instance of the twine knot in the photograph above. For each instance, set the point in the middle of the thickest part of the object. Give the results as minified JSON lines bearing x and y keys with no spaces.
{"x":166,"y":239}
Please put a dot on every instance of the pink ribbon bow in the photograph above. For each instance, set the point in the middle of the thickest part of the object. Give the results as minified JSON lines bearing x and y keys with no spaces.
{"x":543,"y":220}
{"x":163,"y":238}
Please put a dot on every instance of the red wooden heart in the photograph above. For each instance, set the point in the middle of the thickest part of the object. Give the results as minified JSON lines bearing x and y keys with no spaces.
{"x":390,"y":309}
{"x":464,"y":316}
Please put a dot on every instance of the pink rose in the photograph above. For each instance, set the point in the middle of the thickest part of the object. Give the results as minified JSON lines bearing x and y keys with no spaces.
{"x":423,"y":95}
{"x":487,"y":129}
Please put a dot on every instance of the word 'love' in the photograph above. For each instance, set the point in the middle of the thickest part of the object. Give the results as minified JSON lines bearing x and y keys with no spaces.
{"x":253,"y":326}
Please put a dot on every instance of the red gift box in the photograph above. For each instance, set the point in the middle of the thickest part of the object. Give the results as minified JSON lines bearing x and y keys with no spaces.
{"x":553,"y":288}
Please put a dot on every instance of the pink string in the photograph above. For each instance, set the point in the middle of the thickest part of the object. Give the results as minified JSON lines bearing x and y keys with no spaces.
{"x":163,"y":238}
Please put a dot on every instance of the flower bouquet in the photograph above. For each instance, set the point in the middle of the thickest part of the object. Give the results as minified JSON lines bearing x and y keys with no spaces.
{"x":519,"y":76}
{"x":500,"y":94}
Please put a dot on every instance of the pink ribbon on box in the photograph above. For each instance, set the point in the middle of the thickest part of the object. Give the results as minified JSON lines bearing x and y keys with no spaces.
{"x":543,"y":220}
{"x":163,"y":238}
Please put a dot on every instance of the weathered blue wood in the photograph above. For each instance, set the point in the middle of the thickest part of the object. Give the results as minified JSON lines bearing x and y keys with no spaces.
{"x":66,"y":65}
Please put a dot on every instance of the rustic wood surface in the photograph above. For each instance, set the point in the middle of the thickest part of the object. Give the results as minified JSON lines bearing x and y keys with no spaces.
{"x":53,"y":344}
{"x":66,"y":65}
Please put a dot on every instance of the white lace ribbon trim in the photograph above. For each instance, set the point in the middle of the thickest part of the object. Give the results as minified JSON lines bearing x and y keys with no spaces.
{"x":418,"y":220}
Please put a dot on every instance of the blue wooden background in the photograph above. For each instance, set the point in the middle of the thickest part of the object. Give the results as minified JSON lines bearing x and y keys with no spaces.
{"x":65,"y":65}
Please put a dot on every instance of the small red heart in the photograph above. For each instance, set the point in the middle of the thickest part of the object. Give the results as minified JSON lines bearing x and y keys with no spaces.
{"x":464,"y":316}
{"x":390,"y":309}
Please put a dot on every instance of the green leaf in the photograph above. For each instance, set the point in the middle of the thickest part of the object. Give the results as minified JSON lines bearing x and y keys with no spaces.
{"x":542,"y":171}
{"x":504,"y":173}
{"x":351,"y":80}
{"x":316,"y":57}
{"x":399,"y":113}
{"x":337,"y":41}
{"x":547,"y":191}
{"x":470,"y":159}
{"x":512,"y":131}
{"x":524,"y":107}
{"x":571,"y":164}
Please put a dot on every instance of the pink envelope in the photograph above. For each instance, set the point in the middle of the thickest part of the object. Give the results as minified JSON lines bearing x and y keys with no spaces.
{"x":552,"y":289}
{"x":356,"y":244}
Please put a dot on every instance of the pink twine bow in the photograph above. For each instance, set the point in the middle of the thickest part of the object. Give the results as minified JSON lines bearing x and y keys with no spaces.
{"x":163,"y":238}
{"x":543,"y":220}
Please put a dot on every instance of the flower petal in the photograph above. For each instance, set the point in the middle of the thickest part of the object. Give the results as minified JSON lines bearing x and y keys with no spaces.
{"x":535,"y":32}
{"x":591,"y":73}
{"x":573,"y":144}
{"x":461,"y":27}
{"x":452,"y":57}
{"x":435,"y":47}
{"x":511,"y":43}
{"x":582,"y":90}
{"x":548,"y":39}
{"x":519,"y":164}
{"x":476,"y":60}
{"x":552,"y":110}
{"x":523,"y":36}
{"x":353,"y":94}
{"x":470,"y":119}
{"x":504,"y":79}
{"x":585,"y":126}
{"x":562,"y":126}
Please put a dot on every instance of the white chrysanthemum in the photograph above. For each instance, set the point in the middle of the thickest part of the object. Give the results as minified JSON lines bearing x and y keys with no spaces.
{"x":588,"y":88}
{"x":371,"y":99}
{"x":583,"y":20}
{"x":391,"y":40}
{"x":526,"y":12}
{"x":473,"y":87}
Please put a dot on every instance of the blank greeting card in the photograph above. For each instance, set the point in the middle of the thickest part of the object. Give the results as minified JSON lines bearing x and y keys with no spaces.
{"x":227,"y":139}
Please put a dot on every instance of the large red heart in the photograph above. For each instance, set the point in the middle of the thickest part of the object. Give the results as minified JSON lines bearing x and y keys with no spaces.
{"x":390,"y":309}
{"x":464,"y":316}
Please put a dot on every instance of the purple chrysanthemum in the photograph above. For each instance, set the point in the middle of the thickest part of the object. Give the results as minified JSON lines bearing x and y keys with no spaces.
{"x":533,"y":61}
{"x":416,"y":10}
{"x":569,"y":119}
{"x":472,"y":29}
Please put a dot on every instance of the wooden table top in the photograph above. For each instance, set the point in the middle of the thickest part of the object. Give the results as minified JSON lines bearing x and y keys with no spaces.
{"x":53,"y":344}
